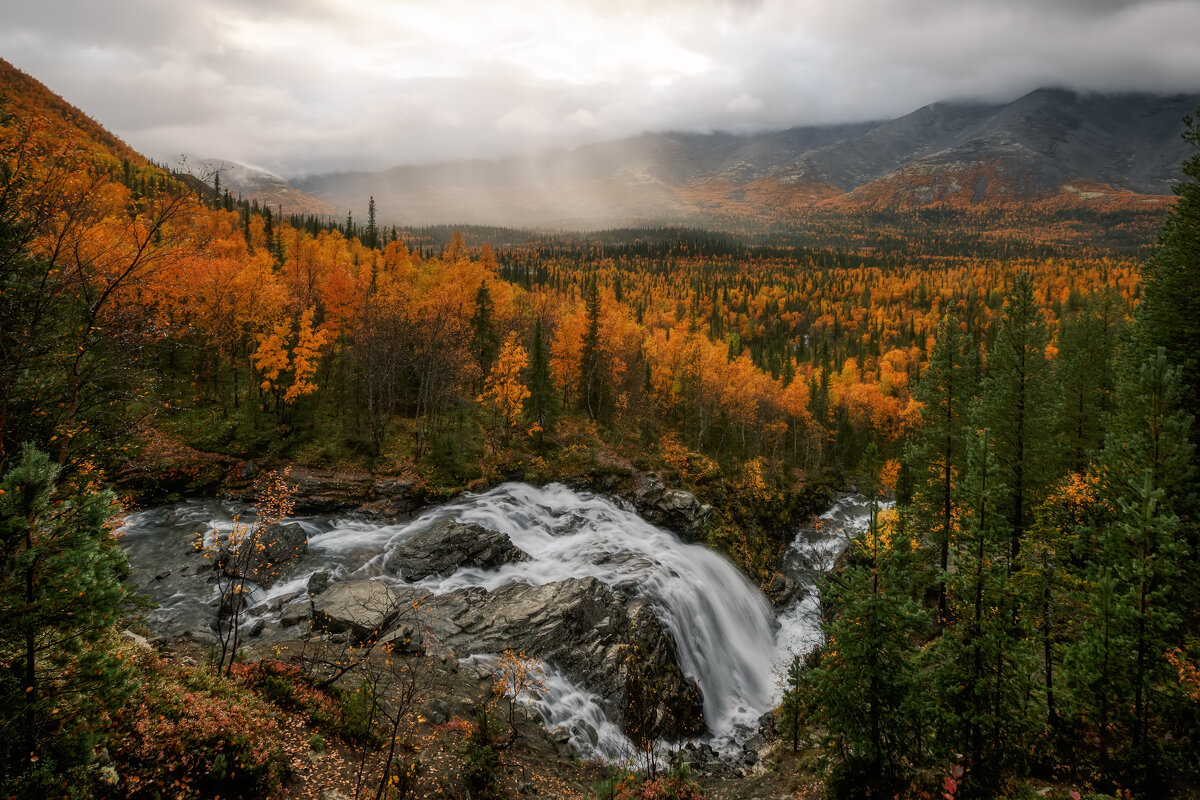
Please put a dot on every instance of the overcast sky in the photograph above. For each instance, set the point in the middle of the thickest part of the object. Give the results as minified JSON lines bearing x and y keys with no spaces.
{"x":301,"y":86}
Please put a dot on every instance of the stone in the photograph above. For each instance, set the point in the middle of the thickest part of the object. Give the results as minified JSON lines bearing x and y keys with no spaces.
{"x":255,"y":627}
{"x":318,"y":582}
{"x":263,"y":556}
{"x":782,"y":590}
{"x":321,"y":491}
{"x":392,"y":487}
{"x":294,"y":613}
{"x":277,"y":603}
{"x":439,"y":710}
{"x":448,"y":545}
{"x":750,"y":750}
{"x":579,"y":624}
{"x":560,"y":735}
{"x":674,"y":509}
{"x":363,"y":608}
{"x":768,"y":727}
{"x":139,"y":641}
{"x":203,"y":638}
{"x":404,"y":638}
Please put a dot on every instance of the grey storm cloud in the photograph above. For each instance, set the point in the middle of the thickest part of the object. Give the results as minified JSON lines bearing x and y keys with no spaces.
{"x":303,"y":86}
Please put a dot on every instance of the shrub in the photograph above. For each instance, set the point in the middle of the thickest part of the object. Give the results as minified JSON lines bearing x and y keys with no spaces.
{"x":357,"y":721}
{"x":480,"y":759}
{"x":671,"y":787}
{"x":290,"y":688}
{"x":195,"y":735}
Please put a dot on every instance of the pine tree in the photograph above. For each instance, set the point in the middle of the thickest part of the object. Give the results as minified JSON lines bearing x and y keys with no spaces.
{"x":936,"y":456}
{"x":1169,"y":315}
{"x":61,"y":594}
{"x":542,"y":406}
{"x":1018,"y":404}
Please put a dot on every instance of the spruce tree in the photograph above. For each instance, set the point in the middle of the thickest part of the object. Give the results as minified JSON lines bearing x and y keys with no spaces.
{"x":1087,"y":345}
{"x":485,"y":340}
{"x":542,"y":405}
{"x":985,"y":660}
{"x":371,"y":234}
{"x":593,"y":360}
{"x":1169,"y":315}
{"x":935,"y":458}
{"x":866,"y":688}
{"x":61,"y":595}
{"x":1145,"y":476}
{"x":1018,"y":404}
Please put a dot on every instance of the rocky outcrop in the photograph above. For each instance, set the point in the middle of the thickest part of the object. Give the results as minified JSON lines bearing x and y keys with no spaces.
{"x":262,"y":556}
{"x":782,"y":590}
{"x":319,"y":491}
{"x":580,"y":625}
{"x":448,"y":545}
{"x":364,"y":608}
{"x":673,"y":509}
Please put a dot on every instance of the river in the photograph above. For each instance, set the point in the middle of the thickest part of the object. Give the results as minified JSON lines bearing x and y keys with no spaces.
{"x":727,"y":635}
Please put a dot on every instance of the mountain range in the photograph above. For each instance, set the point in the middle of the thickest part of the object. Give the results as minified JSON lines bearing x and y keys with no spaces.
{"x":1049,"y":146}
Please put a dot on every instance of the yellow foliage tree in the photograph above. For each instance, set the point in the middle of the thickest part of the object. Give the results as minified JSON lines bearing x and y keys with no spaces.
{"x":505,"y":390}
{"x":271,"y":356}
{"x":305,"y":357}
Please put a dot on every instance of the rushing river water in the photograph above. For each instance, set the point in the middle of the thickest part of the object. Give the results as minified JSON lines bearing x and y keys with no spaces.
{"x":726,"y":633}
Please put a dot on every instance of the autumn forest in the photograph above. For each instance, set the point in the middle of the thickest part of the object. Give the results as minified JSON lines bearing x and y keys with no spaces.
{"x":1011,"y":387}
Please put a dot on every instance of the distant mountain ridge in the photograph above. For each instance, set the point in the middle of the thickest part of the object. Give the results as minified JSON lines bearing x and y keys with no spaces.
{"x":252,"y":183}
{"x":1051,"y":145}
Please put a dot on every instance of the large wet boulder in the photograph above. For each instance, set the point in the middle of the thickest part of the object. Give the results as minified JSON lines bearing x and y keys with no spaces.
{"x":673,"y":509}
{"x":263,"y":555}
{"x":448,"y":545}
{"x":782,"y":591}
{"x":364,"y":608}
{"x":581,"y":626}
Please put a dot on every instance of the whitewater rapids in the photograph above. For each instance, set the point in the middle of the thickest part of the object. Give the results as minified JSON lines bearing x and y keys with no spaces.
{"x":727,"y":636}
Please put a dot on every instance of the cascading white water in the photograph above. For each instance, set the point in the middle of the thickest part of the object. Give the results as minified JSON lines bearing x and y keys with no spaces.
{"x":723,"y":628}
{"x":562,"y":704}
{"x":727,"y":636}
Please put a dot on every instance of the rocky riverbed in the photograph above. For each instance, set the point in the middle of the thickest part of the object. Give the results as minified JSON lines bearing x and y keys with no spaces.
{"x":567,"y":577}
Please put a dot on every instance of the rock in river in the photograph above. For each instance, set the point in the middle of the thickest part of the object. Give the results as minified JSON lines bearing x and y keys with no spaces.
{"x":448,"y":545}
{"x":580,"y":625}
{"x":675,"y":509}
{"x":365,"y":608}
{"x":262,"y":556}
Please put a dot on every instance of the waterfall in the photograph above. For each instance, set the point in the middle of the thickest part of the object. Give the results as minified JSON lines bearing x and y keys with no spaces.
{"x":727,"y":636}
